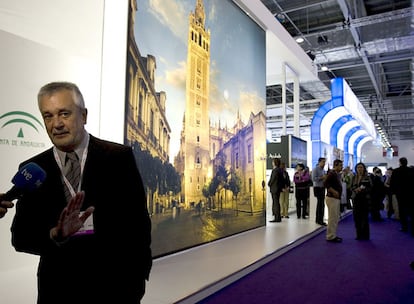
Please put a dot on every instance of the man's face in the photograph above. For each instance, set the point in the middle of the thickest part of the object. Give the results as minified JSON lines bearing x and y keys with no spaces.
{"x":64,"y":120}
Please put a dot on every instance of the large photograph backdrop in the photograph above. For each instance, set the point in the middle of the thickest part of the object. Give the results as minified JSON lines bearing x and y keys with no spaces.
{"x":195,"y":116}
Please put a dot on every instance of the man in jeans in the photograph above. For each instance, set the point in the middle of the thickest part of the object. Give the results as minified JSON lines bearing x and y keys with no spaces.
{"x":318,"y":178}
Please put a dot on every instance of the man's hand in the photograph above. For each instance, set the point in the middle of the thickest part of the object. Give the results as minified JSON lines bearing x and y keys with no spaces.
{"x":70,"y":219}
{"x":4,"y":206}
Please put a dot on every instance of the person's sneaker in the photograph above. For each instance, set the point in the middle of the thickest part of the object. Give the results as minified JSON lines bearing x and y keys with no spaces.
{"x":335,"y":240}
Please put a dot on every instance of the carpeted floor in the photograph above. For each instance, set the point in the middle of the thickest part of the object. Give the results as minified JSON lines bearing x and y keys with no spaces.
{"x":374,"y":271}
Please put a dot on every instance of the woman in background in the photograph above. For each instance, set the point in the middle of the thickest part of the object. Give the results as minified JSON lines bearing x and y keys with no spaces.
{"x":301,"y":180}
{"x":361,"y":188}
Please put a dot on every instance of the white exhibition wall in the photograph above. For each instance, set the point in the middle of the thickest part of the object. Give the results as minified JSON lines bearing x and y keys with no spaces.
{"x":51,"y":40}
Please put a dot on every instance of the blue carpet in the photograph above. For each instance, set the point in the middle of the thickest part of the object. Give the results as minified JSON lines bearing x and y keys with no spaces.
{"x":374,"y":271}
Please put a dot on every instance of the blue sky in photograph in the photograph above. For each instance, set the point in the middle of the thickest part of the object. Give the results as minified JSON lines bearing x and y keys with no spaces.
{"x":237,"y":66}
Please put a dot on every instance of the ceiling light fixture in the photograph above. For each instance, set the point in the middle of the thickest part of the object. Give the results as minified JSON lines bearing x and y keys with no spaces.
{"x":382,"y":134}
{"x":324,"y":68}
{"x":280,"y":17}
{"x":299,"y":40}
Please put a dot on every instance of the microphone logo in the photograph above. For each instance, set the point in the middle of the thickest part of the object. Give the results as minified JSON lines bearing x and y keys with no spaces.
{"x":27,"y":175}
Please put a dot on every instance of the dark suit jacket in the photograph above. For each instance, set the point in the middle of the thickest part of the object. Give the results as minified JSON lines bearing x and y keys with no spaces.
{"x":402,"y":181}
{"x":276,"y":180}
{"x":117,"y":257}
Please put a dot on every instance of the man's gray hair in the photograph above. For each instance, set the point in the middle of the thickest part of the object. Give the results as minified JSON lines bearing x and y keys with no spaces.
{"x":53,"y":87}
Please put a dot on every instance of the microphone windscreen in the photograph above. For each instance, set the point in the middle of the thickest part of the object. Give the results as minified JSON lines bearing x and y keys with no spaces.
{"x":29,"y":177}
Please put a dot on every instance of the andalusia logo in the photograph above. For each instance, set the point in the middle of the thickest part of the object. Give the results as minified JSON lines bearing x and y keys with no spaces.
{"x":20,"y":117}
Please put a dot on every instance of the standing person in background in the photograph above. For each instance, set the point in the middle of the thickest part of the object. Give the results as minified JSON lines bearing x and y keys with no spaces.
{"x":318,"y":178}
{"x":361,"y":186}
{"x":301,"y":179}
{"x":276,"y":185}
{"x":347,"y":179}
{"x":391,"y":200}
{"x":401,"y":183}
{"x":284,"y":195}
{"x":333,"y":187}
{"x":377,"y":195}
{"x":309,"y":185}
{"x":92,"y":234}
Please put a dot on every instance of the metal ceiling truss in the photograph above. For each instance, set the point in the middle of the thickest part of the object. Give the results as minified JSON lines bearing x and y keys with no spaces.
{"x":369,"y":43}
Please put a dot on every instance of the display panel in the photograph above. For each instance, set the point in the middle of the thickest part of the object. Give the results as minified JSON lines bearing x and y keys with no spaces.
{"x":195,"y":116}
{"x":298,"y":151}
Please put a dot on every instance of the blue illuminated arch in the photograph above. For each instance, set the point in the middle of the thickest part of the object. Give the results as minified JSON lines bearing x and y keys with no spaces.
{"x":348,"y":136}
{"x":337,"y":126}
{"x":331,"y":123}
{"x":344,"y":131}
{"x":317,"y":120}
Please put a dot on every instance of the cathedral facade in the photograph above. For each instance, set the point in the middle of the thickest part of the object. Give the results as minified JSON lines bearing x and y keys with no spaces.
{"x":242,"y":145}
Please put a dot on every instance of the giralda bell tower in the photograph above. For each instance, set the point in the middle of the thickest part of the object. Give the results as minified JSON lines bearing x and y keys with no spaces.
{"x":196,"y":124}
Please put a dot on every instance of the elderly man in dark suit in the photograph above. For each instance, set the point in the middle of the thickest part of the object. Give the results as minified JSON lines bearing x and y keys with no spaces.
{"x":93,"y":237}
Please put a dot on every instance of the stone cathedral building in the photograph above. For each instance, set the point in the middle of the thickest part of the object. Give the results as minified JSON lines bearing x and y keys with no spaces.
{"x":194,"y":160}
{"x":201,"y":141}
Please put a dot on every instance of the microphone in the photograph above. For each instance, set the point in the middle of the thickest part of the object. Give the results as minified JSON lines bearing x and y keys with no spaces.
{"x":28,"y":178}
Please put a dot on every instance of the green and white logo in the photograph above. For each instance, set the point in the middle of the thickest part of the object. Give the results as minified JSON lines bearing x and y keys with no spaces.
{"x":21,"y":117}
{"x":21,"y":120}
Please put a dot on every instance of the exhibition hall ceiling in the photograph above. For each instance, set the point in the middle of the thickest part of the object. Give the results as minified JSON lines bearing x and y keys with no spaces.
{"x":370,"y":43}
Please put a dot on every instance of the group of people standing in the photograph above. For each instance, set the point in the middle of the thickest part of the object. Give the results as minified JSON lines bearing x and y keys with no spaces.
{"x":359,"y":190}
{"x":279,"y":185}
{"x":323,"y":183}
{"x":280,"y":188}
{"x":369,"y":191}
